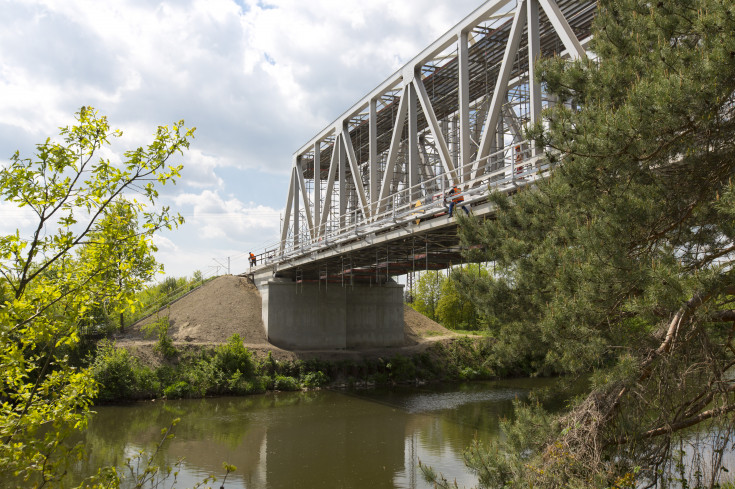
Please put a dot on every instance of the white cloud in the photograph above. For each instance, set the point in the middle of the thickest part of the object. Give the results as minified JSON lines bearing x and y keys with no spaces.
{"x":164,"y":244}
{"x":14,"y":218}
{"x":256,"y":81}
{"x":219,"y":217}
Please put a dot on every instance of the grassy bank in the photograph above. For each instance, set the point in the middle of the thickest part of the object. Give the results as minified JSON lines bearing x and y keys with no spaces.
{"x":231,"y":369}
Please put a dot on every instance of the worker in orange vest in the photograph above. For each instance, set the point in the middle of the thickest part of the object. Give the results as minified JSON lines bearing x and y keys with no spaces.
{"x":253,"y":260}
{"x":457,"y":200}
{"x":519,"y":161}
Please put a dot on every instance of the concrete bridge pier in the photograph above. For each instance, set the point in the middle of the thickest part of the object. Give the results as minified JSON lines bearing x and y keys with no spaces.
{"x":317,"y":316}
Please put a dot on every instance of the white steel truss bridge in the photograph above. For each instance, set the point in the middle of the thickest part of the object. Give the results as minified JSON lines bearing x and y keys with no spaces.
{"x":367,"y":195}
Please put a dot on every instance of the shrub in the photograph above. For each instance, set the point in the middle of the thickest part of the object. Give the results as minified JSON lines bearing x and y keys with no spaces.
{"x":256,"y":386}
{"x":239,"y":385}
{"x":177,"y":391}
{"x":159,"y":329}
{"x":201,"y":378}
{"x":401,"y":368}
{"x":166,"y":375}
{"x":314,"y":379}
{"x":233,"y":357}
{"x":146,"y":383}
{"x":268,"y":365}
{"x":115,"y":370}
{"x":169,"y":286}
{"x":284,"y":383}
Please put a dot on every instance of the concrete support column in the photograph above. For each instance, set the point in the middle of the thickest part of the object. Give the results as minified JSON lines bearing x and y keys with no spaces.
{"x":310,"y":317}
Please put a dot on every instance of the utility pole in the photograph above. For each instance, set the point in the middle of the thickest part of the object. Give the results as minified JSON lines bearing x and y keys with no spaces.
{"x":223,"y":265}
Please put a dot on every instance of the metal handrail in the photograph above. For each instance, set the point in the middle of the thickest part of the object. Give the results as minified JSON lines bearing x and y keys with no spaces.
{"x":401,"y":209}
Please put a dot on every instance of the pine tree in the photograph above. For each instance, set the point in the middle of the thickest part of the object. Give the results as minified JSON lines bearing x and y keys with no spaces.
{"x":621,"y":261}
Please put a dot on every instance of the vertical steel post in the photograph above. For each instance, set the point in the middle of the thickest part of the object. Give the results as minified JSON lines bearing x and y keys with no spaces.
{"x":465,"y":143}
{"x":534,"y":52}
{"x":413,"y":144}
{"x":373,"y":136}
{"x":296,"y":199}
{"x":341,"y":159}
{"x":317,"y":190}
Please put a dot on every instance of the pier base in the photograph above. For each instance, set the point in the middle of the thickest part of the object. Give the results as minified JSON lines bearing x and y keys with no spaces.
{"x":318,"y":316}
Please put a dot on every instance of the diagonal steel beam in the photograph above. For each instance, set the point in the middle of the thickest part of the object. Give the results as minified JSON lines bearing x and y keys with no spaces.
{"x":330,"y":185}
{"x":355,"y":170}
{"x":465,"y":142}
{"x":305,"y":196}
{"x":287,"y":215}
{"x":296,"y":214}
{"x":563,"y":29}
{"x":373,"y":143}
{"x":501,"y":87}
{"x":412,"y":150}
{"x":317,"y":187}
{"x":395,"y":144}
{"x":446,"y":159}
{"x":509,"y":117}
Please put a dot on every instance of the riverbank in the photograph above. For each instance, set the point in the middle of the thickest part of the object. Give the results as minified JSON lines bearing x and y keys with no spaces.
{"x":231,"y":305}
{"x":212,"y":342}
{"x":232,"y":369}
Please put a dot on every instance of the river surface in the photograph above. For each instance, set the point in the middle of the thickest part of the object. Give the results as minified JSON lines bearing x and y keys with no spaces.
{"x":320,"y":439}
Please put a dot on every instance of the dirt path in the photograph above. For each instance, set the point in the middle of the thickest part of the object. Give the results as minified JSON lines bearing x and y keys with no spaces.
{"x":231,"y":305}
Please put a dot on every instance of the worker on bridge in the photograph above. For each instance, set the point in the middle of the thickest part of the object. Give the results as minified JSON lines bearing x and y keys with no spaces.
{"x":458,"y":199}
{"x":253,"y":260}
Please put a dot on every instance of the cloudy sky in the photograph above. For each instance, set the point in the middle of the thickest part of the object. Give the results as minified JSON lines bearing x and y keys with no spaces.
{"x":256,"y":79}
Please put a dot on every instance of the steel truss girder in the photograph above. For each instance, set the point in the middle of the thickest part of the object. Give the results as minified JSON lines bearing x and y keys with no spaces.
{"x":375,"y":154}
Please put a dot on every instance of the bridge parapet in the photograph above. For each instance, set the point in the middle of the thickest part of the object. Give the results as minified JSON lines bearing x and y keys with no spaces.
{"x":432,"y":200}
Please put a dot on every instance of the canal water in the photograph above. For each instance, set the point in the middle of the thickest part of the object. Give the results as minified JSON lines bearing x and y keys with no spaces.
{"x":372,"y":438}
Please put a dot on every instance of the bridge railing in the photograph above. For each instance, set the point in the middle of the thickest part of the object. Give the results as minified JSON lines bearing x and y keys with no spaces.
{"x":411,"y":205}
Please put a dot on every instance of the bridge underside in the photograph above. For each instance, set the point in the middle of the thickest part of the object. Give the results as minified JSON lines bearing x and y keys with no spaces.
{"x":417,"y":245}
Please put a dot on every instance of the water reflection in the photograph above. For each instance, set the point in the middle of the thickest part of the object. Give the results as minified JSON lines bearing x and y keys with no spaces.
{"x":315,"y":439}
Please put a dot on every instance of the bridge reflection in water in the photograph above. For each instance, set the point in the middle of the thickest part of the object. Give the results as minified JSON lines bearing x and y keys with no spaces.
{"x":319,"y":439}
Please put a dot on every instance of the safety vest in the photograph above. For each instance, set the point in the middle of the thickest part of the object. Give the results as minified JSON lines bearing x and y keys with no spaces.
{"x":458,"y":198}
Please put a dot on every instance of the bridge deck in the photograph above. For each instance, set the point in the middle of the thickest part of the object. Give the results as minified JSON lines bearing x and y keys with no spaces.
{"x":409,"y":238}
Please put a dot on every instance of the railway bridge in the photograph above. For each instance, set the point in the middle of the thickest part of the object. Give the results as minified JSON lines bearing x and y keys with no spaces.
{"x":368,"y":197}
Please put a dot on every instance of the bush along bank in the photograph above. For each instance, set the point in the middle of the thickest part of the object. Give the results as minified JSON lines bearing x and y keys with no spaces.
{"x":231,"y":369}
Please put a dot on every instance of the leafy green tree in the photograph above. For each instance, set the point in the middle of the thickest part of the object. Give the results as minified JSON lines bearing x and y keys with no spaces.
{"x":125,"y":253}
{"x":428,"y":290}
{"x":622,"y":260}
{"x":453,"y":309}
{"x":53,"y":279}
{"x":197,"y":279}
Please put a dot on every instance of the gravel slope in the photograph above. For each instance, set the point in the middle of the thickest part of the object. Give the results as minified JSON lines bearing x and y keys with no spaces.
{"x":231,"y":305}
